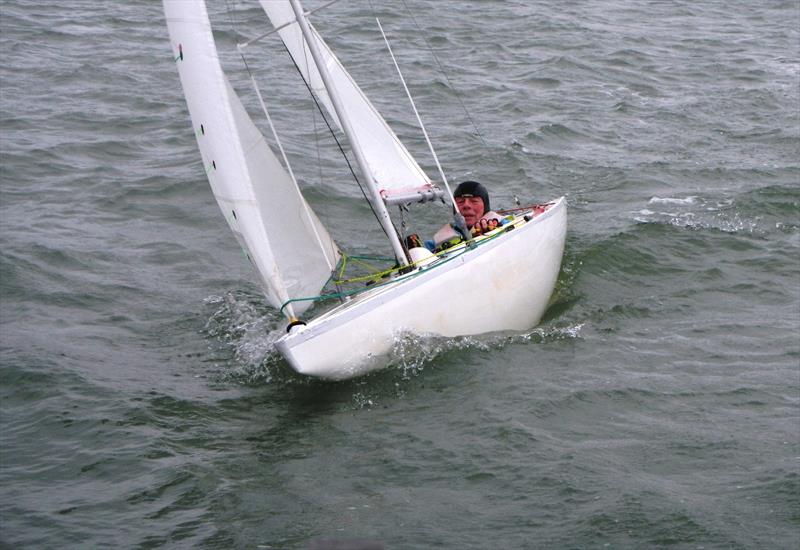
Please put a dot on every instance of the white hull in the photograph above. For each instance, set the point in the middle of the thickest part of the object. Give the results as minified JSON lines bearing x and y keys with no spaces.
{"x":504,"y":284}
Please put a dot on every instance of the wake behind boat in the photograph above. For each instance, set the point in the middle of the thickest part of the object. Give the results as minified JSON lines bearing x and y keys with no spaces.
{"x":515,"y":265}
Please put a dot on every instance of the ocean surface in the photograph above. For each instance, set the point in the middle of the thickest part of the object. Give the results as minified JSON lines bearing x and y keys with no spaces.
{"x":657,"y":405}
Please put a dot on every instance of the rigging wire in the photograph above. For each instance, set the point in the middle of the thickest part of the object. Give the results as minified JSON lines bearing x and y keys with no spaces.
{"x":458,"y":218}
{"x":335,"y":138}
{"x":414,"y":107}
{"x":444,"y":74}
{"x":316,"y":131}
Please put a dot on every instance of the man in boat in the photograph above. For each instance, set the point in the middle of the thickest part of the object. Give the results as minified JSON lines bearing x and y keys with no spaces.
{"x":472,"y":200}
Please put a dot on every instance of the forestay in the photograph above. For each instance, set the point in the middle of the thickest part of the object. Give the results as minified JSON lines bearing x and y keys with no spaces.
{"x":291,"y":250}
{"x":393,"y":169}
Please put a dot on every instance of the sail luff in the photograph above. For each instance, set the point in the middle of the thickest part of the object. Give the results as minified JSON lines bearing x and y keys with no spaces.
{"x":353,"y":138}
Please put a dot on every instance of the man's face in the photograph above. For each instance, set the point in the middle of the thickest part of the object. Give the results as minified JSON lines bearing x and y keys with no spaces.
{"x":471,"y":208}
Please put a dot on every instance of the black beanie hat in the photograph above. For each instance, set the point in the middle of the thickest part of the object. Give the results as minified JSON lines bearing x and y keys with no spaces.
{"x":473,"y":189}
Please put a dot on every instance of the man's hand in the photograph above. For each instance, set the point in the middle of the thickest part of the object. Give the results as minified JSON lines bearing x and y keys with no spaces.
{"x":483,"y":226}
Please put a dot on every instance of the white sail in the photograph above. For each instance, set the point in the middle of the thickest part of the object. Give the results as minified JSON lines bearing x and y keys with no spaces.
{"x":290,"y":249}
{"x":394,"y":170}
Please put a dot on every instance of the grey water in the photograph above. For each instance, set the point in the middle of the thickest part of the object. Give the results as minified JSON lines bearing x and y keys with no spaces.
{"x":656,"y":406}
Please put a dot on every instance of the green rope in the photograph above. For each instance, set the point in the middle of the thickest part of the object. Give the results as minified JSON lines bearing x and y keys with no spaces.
{"x":337,"y":277}
{"x":374,"y":258}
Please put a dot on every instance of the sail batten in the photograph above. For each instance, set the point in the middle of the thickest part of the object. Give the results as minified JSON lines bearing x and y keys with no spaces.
{"x":289,"y":247}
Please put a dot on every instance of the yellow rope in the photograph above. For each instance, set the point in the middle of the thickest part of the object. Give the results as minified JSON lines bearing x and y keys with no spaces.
{"x":460,"y":249}
{"x":380,"y":274}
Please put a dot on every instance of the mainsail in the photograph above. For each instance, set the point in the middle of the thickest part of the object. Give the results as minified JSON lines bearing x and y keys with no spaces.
{"x":393,"y":169}
{"x":291,"y":250}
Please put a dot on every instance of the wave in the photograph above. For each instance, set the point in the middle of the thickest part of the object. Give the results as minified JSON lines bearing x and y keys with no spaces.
{"x":761,"y":211}
{"x":242,"y":331}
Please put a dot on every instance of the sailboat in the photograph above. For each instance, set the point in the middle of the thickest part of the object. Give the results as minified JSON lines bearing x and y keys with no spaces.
{"x":498,"y":281}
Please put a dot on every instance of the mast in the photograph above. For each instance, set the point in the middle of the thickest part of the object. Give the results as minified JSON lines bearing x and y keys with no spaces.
{"x":376,"y":199}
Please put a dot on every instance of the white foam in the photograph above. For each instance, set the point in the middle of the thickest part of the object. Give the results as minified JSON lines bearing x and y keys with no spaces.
{"x":672,"y":200}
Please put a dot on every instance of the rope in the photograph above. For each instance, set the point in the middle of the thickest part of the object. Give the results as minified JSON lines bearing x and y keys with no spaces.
{"x":445,"y":256}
